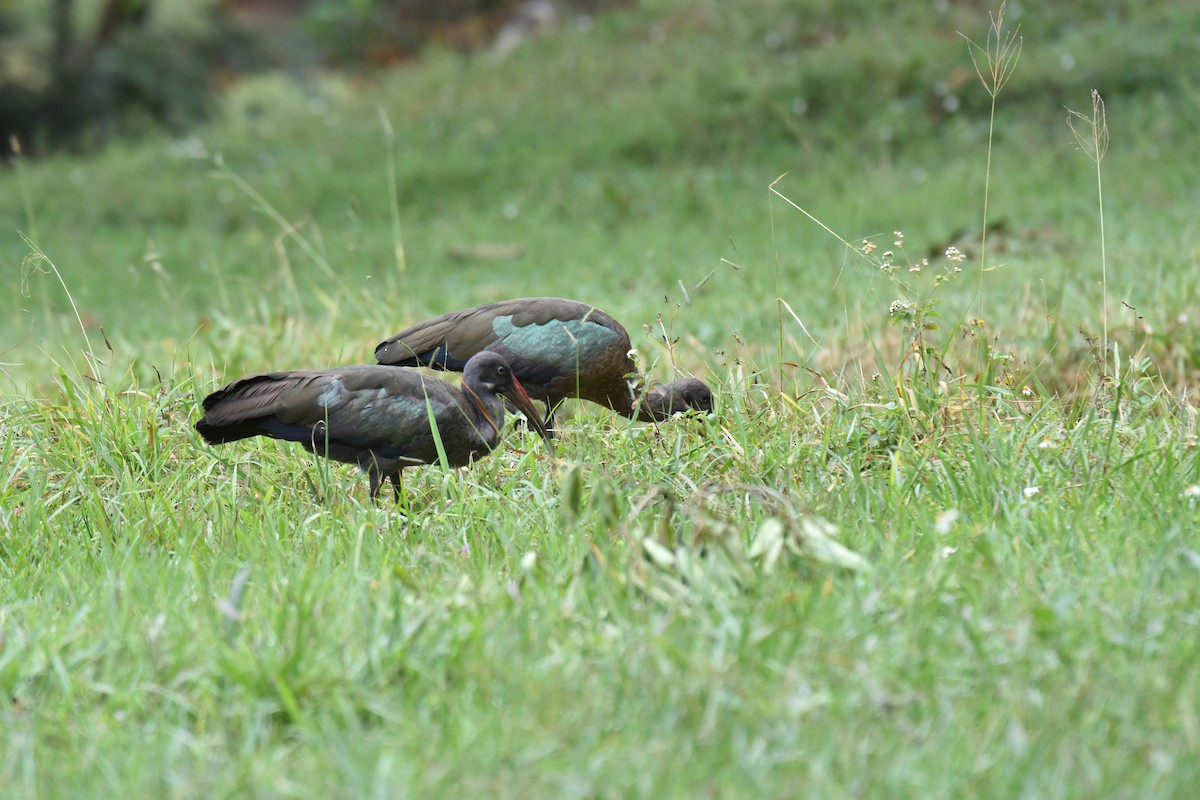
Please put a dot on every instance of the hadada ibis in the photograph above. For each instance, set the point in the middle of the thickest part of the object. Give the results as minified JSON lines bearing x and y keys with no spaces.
{"x":375,"y":417}
{"x":557,"y":348}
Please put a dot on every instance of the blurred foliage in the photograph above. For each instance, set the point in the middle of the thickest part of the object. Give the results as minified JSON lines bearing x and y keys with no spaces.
{"x":378,"y":32}
{"x":814,"y":78}
{"x":798,"y":72}
{"x":74,"y":73}
{"x":814,"y":70}
{"x":386,"y":31}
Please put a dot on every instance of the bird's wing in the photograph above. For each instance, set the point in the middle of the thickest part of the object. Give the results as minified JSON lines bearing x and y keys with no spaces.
{"x":542,"y":338}
{"x":445,"y":342}
{"x":382,"y":409}
{"x":232,"y":412}
{"x":559,"y":338}
{"x":362,"y":407}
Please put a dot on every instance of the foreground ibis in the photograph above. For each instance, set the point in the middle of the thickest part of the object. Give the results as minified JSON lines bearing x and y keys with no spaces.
{"x":558,"y":348}
{"x":376,"y":417}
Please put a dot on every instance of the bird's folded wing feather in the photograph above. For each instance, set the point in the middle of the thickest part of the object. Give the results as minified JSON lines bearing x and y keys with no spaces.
{"x":247,"y":398}
{"x":380,"y":408}
{"x":452,"y":339}
{"x":448,"y":341}
{"x":542,"y":338}
{"x":367,"y":407}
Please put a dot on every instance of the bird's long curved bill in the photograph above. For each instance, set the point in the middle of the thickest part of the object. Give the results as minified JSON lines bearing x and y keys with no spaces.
{"x":521,"y":400}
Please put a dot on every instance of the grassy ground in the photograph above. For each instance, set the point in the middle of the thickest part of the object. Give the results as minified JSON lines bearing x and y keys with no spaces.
{"x":901,"y":560}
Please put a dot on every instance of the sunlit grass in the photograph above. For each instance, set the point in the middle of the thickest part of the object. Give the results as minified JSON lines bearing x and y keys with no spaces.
{"x":841,"y":583}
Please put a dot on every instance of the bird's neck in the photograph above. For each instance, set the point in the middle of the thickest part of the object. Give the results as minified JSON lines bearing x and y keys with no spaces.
{"x":653,"y":406}
{"x":487,"y":414}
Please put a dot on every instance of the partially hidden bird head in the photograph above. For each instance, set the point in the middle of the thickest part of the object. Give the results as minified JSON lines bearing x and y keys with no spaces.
{"x":682,"y":395}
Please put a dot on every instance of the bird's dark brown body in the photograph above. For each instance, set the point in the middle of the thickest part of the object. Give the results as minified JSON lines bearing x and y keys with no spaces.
{"x":557,"y":348}
{"x":375,"y":417}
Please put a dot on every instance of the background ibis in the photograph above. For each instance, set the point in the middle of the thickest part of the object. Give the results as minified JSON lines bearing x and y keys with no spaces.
{"x":375,"y":417}
{"x":557,"y":348}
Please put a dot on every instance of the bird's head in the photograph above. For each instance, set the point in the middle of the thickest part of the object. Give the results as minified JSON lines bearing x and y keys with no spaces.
{"x":489,"y":373}
{"x":688,"y":394}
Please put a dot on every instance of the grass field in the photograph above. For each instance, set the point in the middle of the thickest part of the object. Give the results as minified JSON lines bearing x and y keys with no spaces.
{"x":939,"y":539}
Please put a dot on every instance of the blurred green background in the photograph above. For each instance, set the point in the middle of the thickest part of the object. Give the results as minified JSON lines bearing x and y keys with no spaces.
{"x":305,"y":161}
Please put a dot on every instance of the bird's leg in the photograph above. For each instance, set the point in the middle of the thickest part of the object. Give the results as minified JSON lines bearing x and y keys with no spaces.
{"x":550,"y":409}
{"x":373,"y":476}
{"x":397,"y":489}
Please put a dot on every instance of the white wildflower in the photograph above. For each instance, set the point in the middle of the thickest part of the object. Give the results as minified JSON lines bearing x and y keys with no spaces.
{"x":945,"y":520}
